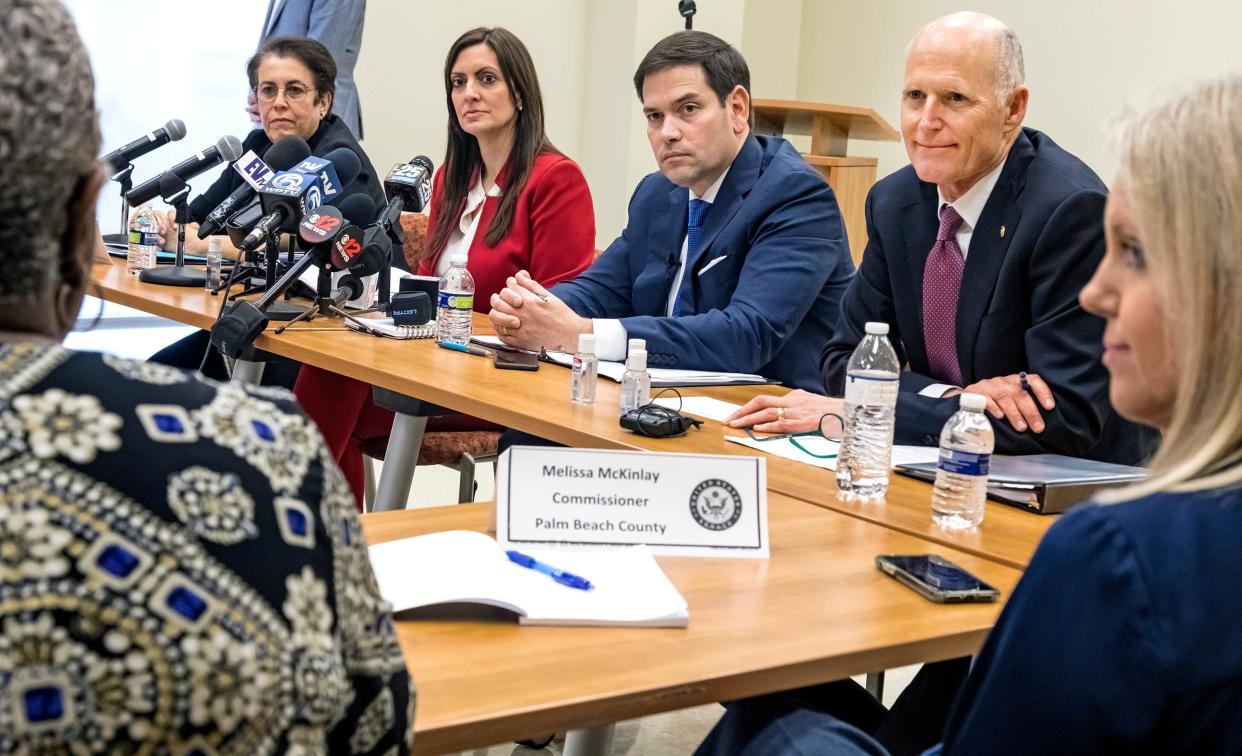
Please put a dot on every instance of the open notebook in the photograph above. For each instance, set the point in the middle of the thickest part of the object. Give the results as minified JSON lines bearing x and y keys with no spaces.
{"x":460,"y":566}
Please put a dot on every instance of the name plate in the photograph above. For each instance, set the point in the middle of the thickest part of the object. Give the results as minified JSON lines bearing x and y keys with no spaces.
{"x":677,"y":504}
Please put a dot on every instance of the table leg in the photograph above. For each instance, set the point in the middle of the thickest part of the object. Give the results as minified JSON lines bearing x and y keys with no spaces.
{"x":245,"y":371}
{"x":875,"y":685}
{"x":393,"y":490}
{"x":589,"y":741}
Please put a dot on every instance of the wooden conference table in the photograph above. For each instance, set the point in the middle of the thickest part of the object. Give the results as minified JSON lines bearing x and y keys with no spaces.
{"x":816,"y":610}
{"x":538,"y":403}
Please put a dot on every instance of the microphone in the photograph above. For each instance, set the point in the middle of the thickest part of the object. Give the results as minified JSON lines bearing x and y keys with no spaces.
{"x":362,"y":208}
{"x":228,"y":148}
{"x":348,"y":287}
{"x":281,"y":156}
{"x":121,"y":157}
{"x":411,"y":184}
{"x":290,"y":194}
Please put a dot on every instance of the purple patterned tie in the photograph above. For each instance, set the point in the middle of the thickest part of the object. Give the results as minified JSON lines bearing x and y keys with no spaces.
{"x":942,"y":279}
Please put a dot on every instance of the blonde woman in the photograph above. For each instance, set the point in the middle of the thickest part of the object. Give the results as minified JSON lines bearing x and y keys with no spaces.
{"x":1125,"y":634}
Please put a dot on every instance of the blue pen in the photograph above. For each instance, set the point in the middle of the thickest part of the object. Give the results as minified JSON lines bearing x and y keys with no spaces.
{"x":467,"y":348}
{"x":560,"y":576}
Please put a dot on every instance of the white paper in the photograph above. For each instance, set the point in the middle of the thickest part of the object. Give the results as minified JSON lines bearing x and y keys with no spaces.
{"x":628,"y":586}
{"x":783,"y":447}
{"x":676,"y":504}
{"x":699,"y":406}
{"x":665,"y":376}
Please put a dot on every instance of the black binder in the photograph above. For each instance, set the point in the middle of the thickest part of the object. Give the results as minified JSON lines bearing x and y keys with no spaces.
{"x":1043,"y":483}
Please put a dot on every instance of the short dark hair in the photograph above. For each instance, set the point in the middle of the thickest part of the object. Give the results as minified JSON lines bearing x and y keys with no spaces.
{"x":311,"y":53}
{"x":722,"y":64}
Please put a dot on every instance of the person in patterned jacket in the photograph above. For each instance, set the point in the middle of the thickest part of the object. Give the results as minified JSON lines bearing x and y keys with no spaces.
{"x":181,"y":565}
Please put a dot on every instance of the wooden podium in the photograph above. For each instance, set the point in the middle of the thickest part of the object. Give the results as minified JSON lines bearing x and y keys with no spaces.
{"x":830,"y":128}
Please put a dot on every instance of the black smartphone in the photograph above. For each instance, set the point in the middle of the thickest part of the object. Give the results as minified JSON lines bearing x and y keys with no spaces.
{"x":936,"y":578}
{"x":507,"y":359}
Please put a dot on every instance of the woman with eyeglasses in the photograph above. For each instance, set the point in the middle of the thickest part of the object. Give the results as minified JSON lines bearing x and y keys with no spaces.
{"x":294,"y":82}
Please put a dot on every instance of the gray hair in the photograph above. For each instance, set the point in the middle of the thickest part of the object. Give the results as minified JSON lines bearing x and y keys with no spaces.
{"x":49,"y":141}
{"x":1010,"y":70}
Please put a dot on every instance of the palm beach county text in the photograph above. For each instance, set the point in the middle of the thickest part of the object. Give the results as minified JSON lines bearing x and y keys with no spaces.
{"x":624,"y":524}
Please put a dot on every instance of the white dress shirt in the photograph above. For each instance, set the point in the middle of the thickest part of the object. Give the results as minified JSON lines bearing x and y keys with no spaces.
{"x":611,"y":339}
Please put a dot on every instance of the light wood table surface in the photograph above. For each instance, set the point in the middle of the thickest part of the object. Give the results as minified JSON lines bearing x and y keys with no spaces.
{"x":816,"y":610}
{"x":538,"y":403}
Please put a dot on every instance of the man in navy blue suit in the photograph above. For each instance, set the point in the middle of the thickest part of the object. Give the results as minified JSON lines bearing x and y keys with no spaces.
{"x":734,"y":256}
{"x":975,"y":255}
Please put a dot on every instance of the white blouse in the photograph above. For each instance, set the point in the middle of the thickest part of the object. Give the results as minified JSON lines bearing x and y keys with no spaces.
{"x":463,"y":237}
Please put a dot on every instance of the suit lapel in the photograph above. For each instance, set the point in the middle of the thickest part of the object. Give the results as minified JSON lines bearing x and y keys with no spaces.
{"x":920,"y":220}
{"x":987,"y":252}
{"x":664,"y":238}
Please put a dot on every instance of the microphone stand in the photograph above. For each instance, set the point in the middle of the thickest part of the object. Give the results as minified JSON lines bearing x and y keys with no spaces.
{"x":125,"y":177}
{"x":178,"y":274}
{"x":285,"y":310}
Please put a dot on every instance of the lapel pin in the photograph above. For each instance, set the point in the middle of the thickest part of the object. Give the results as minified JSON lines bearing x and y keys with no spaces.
{"x":1002,"y":232}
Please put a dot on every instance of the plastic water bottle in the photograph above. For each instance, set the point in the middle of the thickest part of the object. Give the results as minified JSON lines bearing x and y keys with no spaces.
{"x":455,"y":303}
{"x":143,"y":244}
{"x":635,"y":381}
{"x":966,"y":445}
{"x":870,"y":404}
{"x":585,"y":372}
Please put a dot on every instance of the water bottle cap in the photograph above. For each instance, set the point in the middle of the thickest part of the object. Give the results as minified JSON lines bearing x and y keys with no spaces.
{"x":458,"y":258}
{"x":877,"y":329}
{"x":637,"y":360}
{"x":586,"y":343}
{"x":636,"y":344}
{"x":974,"y":402}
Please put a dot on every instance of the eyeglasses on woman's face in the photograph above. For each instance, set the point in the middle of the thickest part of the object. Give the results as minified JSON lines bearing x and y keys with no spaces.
{"x":293,"y":92}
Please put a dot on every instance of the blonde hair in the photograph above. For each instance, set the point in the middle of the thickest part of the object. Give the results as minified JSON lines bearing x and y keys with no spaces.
{"x":1181,"y":167}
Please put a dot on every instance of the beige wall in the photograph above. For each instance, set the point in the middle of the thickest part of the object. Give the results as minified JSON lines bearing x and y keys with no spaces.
{"x":1085,"y":61}
{"x":401,"y":68}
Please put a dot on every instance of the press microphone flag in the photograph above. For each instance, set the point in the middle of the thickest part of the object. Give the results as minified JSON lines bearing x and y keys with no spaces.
{"x":121,"y":157}
{"x":289,"y":195}
{"x":255,"y":172}
{"x":411,"y":183}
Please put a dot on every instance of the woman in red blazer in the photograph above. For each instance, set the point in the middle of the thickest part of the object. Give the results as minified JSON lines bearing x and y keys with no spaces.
{"x":505,"y":195}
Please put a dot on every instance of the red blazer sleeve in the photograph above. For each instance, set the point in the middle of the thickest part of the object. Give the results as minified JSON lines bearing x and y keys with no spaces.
{"x":562,"y":222}
{"x":552,"y":236}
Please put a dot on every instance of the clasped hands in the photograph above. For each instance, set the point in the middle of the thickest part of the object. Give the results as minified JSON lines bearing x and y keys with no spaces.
{"x":800,"y":411}
{"x":528,"y":316}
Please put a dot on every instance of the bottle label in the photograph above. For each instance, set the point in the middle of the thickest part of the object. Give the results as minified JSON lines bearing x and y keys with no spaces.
{"x":456,"y":301}
{"x":144,"y":238}
{"x":871,"y":390}
{"x":964,"y":463}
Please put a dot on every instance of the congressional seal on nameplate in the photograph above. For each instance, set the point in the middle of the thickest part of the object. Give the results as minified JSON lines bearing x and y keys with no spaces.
{"x":598,"y":498}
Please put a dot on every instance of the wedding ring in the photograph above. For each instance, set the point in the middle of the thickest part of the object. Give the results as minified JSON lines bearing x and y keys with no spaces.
{"x":504,"y":330}
{"x":780,"y":414}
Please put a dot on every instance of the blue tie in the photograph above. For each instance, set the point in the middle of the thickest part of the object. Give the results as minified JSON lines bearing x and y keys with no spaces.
{"x":694,"y":229}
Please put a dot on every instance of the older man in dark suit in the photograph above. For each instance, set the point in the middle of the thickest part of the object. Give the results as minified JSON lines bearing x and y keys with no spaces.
{"x":975,"y":255}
